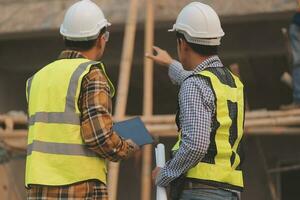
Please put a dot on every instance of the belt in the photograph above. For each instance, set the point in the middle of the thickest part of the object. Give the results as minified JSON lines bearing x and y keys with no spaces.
{"x":189,"y":185}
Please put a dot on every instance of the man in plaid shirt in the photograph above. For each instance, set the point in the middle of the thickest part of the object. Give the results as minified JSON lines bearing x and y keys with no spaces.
{"x":206,"y":159}
{"x":94,"y":104}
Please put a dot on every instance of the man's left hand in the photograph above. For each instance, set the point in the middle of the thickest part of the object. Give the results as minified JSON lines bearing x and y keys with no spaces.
{"x":155,"y":173}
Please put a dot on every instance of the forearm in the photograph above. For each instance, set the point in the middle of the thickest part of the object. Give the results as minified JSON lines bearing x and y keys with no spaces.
{"x":193,"y":148}
{"x":177,"y":74}
{"x":184,"y":159}
{"x":105,"y":142}
{"x":97,"y":134}
{"x":96,"y":119}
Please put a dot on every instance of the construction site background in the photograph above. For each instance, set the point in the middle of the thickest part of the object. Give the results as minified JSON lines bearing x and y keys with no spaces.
{"x":254,"y":40}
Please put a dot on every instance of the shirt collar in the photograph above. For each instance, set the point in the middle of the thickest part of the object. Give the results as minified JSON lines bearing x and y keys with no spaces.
{"x":213,"y":61}
{"x":70,"y":54}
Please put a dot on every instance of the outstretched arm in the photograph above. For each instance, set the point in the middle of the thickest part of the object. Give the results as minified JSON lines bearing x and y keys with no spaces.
{"x":176,"y":72}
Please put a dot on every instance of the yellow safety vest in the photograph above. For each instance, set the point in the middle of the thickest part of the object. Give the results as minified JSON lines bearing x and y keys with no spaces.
{"x":56,"y":153}
{"x":221,"y":165}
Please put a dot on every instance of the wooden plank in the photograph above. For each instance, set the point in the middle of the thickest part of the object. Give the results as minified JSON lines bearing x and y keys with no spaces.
{"x":273,"y":121}
{"x":148,"y":99}
{"x":14,"y":140}
{"x":8,"y":189}
{"x":275,"y":113}
{"x":272,"y":130}
{"x":13,"y":134}
{"x":251,"y":115}
{"x":123,"y":85}
{"x":4,"y":186}
{"x":15,"y":119}
{"x":158,"y":119}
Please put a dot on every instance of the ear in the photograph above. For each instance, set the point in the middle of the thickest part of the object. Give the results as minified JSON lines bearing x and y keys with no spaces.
{"x":184,"y":45}
{"x":100,"y":42}
{"x":179,"y":43}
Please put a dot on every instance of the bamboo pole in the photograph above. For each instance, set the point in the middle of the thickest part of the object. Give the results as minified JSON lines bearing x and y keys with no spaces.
{"x":8,"y":186}
{"x":14,"y":193}
{"x":154,"y":119}
{"x":148,"y":63}
{"x":158,"y":119}
{"x":123,"y":85}
{"x":273,"y":121}
{"x":284,"y":169}
{"x":251,"y":115}
{"x":15,"y":119}
{"x":277,"y":113}
{"x":170,"y":130}
{"x":272,"y":130}
{"x":148,"y":99}
{"x":13,"y":134}
{"x":161,"y":129}
{"x":262,"y":115}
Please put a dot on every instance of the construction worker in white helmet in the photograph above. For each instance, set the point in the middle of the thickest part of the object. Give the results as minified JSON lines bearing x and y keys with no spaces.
{"x":70,"y":121}
{"x":206,"y":161}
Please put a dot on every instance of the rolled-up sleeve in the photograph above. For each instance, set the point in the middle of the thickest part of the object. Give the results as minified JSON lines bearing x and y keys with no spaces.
{"x":96,"y":119}
{"x":177,"y":74}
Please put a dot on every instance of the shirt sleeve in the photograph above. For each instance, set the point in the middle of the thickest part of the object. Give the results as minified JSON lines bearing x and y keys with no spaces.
{"x":196,"y":103}
{"x":96,"y":119}
{"x":177,"y":74}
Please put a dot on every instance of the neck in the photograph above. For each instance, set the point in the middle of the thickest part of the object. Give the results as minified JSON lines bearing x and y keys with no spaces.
{"x":90,"y":54}
{"x":197,"y":59}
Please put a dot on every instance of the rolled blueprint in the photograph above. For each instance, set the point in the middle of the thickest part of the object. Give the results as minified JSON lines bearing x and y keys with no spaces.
{"x":161,"y":193}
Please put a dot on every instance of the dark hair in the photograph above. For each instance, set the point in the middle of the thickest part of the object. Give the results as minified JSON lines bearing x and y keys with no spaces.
{"x":83,"y":45}
{"x":198,"y":48}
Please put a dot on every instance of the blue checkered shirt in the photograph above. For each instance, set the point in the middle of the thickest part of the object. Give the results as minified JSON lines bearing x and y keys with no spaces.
{"x":197,"y":110}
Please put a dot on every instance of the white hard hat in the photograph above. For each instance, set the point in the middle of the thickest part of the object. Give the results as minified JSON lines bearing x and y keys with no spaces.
{"x":200,"y":24}
{"x":83,"y":21}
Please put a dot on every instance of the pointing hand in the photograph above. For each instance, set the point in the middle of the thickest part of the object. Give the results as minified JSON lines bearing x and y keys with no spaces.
{"x":162,"y":57}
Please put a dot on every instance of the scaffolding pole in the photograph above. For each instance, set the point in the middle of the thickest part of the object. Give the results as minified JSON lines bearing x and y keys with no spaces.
{"x":148,"y":99}
{"x":123,"y":86}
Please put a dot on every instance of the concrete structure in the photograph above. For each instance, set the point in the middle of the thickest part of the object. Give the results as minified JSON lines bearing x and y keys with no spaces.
{"x":29,"y":39}
{"x":37,"y":15}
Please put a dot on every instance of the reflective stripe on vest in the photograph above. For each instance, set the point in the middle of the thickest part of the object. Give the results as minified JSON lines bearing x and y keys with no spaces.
{"x":223,"y":170}
{"x":66,"y":117}
{"x":60,"y":148}
{"x":56,"y":153}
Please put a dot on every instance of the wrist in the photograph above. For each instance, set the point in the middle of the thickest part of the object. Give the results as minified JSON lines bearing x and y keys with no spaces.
{"x":169,"y":63}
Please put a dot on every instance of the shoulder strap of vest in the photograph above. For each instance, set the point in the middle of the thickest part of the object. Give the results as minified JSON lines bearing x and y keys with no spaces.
{"x":223,"y":74}
{"x":112,"y":88}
